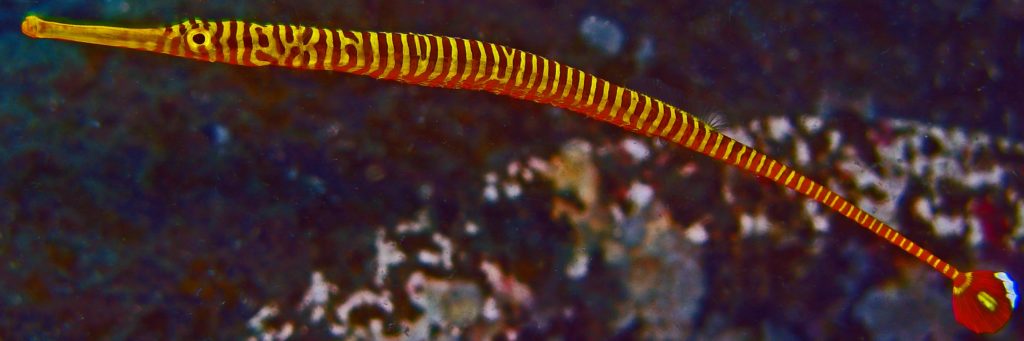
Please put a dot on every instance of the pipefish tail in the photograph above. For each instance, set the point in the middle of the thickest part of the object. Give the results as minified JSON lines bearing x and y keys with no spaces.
{"x":982,"y":300}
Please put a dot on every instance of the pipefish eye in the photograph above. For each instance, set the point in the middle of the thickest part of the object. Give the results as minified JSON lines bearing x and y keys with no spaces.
{"x":199,"y":37}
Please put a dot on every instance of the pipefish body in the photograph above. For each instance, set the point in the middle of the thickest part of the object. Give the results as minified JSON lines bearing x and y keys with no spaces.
{"x":982,"y":300}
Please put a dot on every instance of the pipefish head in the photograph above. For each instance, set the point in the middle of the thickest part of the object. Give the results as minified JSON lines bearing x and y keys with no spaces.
{"x":191,"y":39}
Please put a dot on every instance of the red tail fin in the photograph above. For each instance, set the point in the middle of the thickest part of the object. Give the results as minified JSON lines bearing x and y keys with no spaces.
{"x":983,"y":300}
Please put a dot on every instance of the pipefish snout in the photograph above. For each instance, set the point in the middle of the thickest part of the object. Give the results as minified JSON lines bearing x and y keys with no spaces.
{"x":30,"y":26}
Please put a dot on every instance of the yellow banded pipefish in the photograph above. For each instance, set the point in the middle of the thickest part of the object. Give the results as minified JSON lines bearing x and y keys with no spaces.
{"x":982,"y":300}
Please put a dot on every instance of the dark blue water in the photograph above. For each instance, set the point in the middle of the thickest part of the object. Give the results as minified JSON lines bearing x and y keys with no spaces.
{"x":146,"y":196}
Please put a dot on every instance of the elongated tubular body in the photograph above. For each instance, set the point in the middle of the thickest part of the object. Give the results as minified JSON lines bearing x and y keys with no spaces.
{"x":456,"y":63}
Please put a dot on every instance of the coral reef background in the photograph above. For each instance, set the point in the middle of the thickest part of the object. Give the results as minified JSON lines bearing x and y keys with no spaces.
{"x":145,"y":196}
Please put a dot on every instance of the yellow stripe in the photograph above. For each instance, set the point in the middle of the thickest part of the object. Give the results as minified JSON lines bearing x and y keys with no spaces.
{"x":817,"y":192}
{"x":374,"y":52}
{"x":438,"y":59}
{"x":693,"y":132}
{"x":390,"y":56}
{"x":919,"y":251}
{"x":760,"y":164}
{"x":240,"y":49}
{"x":633,"y":100}
{"x":750,"y":159}
{"x":468,"y":67}
{"x":453,"y":65}
{"x":643,"y":115}
{"x":522,"y":68}
{"x":579,"y":88}
{"x":682,"y":130}
{"x":782,"y":168}
{"x":843,"y":207}
{"x":421,"y":55}
{"x":873,"y":226}
{"x":328,"y":53}
{"x":718,"y":141}
{"x":403,"y":71}
{"x":707,"y":136}
{"x":497,"y":60}
{"x":543,"y":77}
{"x":800,"y":182}
{"x":887,"y":232}
{"x":739,"y":155}
{"x":593,"y":91}
{"x":686,"y":123}
{"x":310,"y":48}
{"x":834,"y":198}
{"x":225,"y":51}
{"x":480,"y":75}
{"x":789,"y":178}
{"x":533,"y":72}
{"x":671,"y":120}
{"x":568,"y":83}
{"x":728,"y":149}
{"x":618,"y":103}
{"x":772,"y":165}
{"x":554,"y":83}
{"x":657,"y":117}
{"x":828,"y":194}
{"x":358,"y":42}
{"x":509,"y":58}
{"x":604,"y":97}
{"x":212,"y":55}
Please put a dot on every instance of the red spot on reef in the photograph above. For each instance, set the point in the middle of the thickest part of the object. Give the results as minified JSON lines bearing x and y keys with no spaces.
{"x":995,"y":226}
{"x":883,"y":134}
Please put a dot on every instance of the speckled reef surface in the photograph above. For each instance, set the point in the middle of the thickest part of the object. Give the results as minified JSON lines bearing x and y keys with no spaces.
{"x":144,"y":196}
